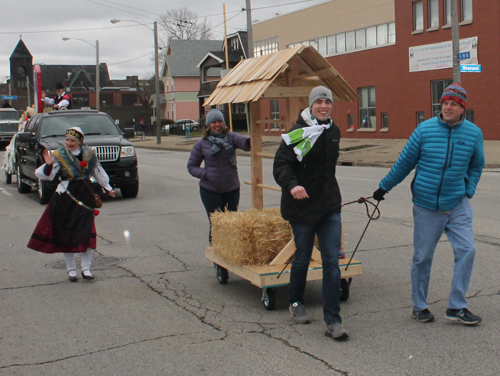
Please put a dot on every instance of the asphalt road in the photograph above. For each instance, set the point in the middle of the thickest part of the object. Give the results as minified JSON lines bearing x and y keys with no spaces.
{"x":156,"y":307}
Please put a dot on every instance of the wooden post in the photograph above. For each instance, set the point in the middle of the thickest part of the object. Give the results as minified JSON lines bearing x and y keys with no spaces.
{"x":256,"y":142}
{"x":292,"y":103}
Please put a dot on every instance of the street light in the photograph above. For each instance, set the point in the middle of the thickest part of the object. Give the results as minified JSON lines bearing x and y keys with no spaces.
{"x":97,"y":83}
{"x":157,"y":76}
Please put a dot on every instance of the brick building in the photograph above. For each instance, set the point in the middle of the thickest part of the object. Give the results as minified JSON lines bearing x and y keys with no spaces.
{"x":397,"y":56}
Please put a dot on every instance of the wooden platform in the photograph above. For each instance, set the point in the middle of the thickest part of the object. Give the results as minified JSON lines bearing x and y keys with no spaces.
{"x":265,"y":276}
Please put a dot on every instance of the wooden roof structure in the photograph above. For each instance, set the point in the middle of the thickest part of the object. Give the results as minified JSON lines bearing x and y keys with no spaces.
{"x":288,"y":74}
{"x":285,"y":74}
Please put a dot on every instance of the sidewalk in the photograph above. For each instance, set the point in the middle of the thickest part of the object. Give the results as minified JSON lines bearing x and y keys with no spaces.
{"x":353,"y":151}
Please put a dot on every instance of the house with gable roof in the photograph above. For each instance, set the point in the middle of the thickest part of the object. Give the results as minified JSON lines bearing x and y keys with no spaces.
{"x":181,"y":76}
{"x":216,"y":61}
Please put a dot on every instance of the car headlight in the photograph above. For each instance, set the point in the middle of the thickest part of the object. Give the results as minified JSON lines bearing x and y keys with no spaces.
{"x":127,"y":151}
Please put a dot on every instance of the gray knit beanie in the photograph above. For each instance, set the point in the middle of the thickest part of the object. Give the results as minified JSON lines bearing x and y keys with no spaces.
{"x":319,"y":92}
{"x":214,"y":115}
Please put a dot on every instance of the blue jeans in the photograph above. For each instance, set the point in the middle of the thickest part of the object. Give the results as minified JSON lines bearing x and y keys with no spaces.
{"x":329,"y":231}
{"x":429,"y":226}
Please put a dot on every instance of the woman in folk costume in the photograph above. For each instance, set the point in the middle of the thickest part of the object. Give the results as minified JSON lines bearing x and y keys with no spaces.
{"x":67,"y":224}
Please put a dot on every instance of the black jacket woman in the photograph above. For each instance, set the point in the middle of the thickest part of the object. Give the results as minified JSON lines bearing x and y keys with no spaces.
{"x":67,"y":224}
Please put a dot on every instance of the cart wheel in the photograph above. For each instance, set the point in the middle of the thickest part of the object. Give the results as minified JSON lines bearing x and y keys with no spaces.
{"x":221,"y":273}
{"x":269,"y":298}
{"x":344,"y":289}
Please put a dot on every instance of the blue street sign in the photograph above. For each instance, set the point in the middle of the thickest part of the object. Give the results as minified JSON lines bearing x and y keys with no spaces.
{"x":476,"y":68}
{"x":463,"y":55}
{"x":7,"y":97}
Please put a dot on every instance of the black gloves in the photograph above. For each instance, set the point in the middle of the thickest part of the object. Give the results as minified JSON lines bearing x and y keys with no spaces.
{"x":379,"y":194}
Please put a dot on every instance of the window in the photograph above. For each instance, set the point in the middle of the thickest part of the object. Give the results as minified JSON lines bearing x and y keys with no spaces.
{"x":80,"y":100}
{"x":275,"y":113}
{"x":239,"y":108}
{"x":420,"y":117}
{"x":322,"y":46}
{"x":466,"y":10}
{"x":433,"y":13}
{"x":385,"y":120}
{"x":418,"y":16}
{"x":265,"y":46}
{"x":447,"y":12}
{"x":371,"y":36}
{"x":128,"y":99}
{"x":469,"y":115}
{"x":437,"y":88}
{"x":350,"y":121}
{"x":341,"y":42}
{"x":392,"y":32}
{"x":367,"y":108}
{"x":355,"y":40}
{"x":234,"y":44}
{"x":382,"y":34}
{"x":350,"y":41}
{"x":332,"y":46}
{"x":360,"y":39}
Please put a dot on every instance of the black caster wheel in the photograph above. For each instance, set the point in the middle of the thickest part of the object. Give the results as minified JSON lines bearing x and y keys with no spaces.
{"x":345,"y":285}
{"x":269,"y":298}
{"x":221,"y":274}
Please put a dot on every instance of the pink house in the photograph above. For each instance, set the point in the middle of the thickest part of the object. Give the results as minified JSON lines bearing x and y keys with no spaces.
{"x":181,"y":77}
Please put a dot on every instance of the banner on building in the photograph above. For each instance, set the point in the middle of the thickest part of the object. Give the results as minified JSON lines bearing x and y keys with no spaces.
{"x":440,"y":56}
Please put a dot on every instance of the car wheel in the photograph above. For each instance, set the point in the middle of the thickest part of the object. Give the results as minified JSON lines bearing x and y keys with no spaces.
{"x":8,"y":177}
{"x":130,"y":190}
{"x":173,"y":131}
{"x":22,"y":187}
{"x":44,"y":194}
{"x":194,"y":129}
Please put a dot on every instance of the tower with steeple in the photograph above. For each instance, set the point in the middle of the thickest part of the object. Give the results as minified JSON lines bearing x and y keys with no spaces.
{"x":21,"y":76}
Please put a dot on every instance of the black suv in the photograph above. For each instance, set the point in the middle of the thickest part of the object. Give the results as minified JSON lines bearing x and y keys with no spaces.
{"x":47,"y":131}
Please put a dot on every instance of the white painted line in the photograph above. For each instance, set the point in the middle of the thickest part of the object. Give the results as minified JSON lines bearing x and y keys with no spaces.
{"x":5,"y":192}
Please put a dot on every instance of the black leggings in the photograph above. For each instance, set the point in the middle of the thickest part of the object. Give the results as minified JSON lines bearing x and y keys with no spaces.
{"x":222,"y":201}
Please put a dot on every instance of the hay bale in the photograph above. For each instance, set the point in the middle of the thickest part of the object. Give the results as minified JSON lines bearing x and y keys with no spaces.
{"x":252,"y":237}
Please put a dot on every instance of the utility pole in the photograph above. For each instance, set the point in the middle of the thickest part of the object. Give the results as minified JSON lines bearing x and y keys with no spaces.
{"x":455,"y":42}
{"x":157,"y":86}
{"x":249,"y":29}
{"x":97,"y":78}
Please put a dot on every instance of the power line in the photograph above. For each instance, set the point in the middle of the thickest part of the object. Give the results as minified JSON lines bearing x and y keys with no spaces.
{"x":125,"y":6}
{"x":135,"y":58}
{"x":282,"y":5}
{"x":124,"y":26}
{"x":69,"y":30}
{"x":122,"y":10}
{"x":230,"y":18}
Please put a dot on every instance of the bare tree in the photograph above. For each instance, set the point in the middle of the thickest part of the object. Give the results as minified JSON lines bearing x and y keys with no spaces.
{"x":181,"y":23}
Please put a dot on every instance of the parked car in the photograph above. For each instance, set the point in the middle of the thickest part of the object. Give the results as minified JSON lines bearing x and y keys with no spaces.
{"x":47,"y":131}
{"x":9,"y":123}
{"x":180,"y":125}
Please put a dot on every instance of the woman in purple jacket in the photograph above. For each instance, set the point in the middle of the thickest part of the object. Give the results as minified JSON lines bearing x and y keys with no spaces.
{"x":219,"y":182}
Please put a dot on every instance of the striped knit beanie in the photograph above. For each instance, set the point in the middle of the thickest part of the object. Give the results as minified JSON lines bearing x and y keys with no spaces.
{"x":456,"y":93}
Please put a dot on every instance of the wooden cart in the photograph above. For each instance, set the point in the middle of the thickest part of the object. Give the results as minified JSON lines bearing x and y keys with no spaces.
{"x":288,"y":74}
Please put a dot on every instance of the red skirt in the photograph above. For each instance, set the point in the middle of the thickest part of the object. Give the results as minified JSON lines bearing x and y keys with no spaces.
{"x":42,"y":239}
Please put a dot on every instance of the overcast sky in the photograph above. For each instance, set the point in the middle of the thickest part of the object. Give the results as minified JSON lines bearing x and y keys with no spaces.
{"x":126,"y":47}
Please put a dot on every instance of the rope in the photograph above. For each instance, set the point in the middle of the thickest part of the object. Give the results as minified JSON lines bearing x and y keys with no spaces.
{"x":361,"y":200}
{"x":371,"y":217}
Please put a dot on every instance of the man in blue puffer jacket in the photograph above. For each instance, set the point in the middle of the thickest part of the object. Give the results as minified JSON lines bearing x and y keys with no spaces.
{"x":447,"y":152}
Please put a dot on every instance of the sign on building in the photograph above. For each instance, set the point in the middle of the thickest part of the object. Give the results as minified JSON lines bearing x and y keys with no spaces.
{"x":440,"y":56}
